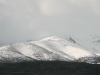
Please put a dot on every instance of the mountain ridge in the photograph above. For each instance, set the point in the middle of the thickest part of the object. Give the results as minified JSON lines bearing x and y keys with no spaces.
{"x":47,"y":49}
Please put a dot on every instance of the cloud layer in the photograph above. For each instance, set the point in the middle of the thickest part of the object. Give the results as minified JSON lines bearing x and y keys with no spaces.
{"x":22,"y":20}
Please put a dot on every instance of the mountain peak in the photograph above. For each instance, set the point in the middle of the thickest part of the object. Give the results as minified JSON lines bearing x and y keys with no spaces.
{"x":51,"y":38}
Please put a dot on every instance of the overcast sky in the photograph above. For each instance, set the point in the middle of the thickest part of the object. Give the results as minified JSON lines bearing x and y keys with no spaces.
{"x":22,"y":20}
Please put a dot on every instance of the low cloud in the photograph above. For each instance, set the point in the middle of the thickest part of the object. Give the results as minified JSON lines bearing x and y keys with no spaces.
{"x":61,"y":7}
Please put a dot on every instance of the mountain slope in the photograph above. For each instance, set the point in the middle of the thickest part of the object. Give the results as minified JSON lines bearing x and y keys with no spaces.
{"x":61,"y":46}
{"x":91,"y":43}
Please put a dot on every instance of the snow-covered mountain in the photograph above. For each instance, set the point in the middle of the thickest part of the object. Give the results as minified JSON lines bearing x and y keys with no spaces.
{"x":47,"y":49}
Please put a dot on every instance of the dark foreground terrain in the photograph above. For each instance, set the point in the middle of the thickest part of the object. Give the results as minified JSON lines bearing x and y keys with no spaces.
{"x":49,"y":68}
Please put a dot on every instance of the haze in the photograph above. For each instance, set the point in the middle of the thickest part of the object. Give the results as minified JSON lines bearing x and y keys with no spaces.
{"x":22,"y":20}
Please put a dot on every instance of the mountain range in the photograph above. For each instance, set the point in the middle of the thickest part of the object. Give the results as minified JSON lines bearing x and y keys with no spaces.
{"x":54,"y":48}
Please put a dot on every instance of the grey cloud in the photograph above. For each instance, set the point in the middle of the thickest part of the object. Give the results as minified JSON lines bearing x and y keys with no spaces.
{"x":57,"y":7}
{"x":22,"y":20}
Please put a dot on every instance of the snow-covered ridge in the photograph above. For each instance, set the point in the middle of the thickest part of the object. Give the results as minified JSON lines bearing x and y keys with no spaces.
{"x":51,"y":38}
{"x":50,"y":48}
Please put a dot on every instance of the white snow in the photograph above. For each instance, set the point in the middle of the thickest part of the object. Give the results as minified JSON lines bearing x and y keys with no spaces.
{"x":76,"y":52}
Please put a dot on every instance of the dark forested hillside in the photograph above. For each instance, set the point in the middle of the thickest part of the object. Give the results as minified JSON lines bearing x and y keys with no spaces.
{"x":49,"y":68}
